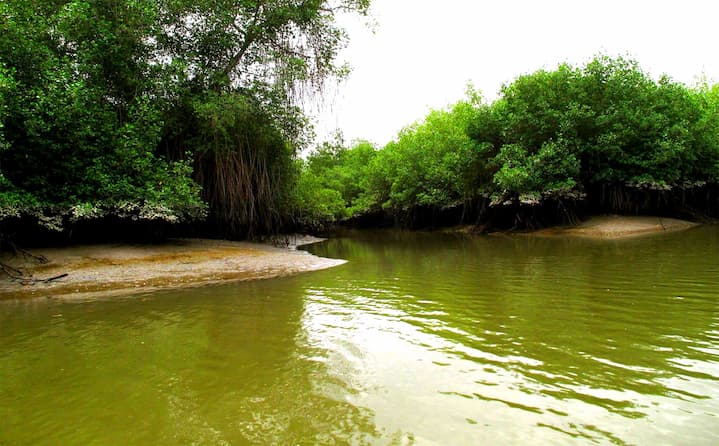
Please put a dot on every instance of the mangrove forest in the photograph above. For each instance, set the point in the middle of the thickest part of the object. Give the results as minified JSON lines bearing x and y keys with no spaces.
{"x":159,"y":112}
{"x":184,"y":261}
{"x":555,"y":146}
{"x":187,"y":114}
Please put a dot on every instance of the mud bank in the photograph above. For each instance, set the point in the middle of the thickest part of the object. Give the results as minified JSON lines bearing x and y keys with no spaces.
{"x":618,"y":227}
{"x":104,"y":270}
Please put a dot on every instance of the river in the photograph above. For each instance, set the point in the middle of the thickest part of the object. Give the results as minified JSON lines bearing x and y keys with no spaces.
{"x":421,"y":338}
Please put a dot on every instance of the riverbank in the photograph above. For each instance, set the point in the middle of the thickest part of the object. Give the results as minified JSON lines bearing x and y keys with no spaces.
{"x":118,"y":269}
{"x":616,"y":227}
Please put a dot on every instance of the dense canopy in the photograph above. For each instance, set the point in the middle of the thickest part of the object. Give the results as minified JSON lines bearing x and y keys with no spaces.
{"x":107,"y":108}
{"x":604,"y":136}
{"x":187,"y":111}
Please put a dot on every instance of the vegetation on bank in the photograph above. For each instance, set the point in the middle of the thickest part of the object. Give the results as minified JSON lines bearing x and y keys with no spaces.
{"x":178,"y":111}
{"x":159,"y":111}
{"x":604,"y":136}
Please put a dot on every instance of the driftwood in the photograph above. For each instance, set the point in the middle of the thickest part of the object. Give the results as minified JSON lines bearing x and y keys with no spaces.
{"x":11,"y":271}
{"x":17,"y":274}
{"x":38,"y":258}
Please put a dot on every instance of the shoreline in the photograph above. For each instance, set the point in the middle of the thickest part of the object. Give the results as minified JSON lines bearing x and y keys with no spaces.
{"x":617,"y":227}
{"x":122,"y":269}
{"x":125,"y":269}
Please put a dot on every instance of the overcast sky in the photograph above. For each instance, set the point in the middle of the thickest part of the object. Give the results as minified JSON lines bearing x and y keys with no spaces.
{"x":420,"y":54}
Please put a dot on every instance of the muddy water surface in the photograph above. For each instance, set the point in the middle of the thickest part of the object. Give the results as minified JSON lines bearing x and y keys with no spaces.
{"x":418,"y":339}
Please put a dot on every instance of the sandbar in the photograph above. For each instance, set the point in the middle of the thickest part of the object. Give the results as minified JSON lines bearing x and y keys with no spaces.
{"x":122,"y":269}
{"x":614,"y":227}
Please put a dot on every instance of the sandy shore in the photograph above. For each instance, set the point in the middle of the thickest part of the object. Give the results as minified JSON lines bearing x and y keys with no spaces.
{"x":103,"y":270}
{"x":618,"y":227}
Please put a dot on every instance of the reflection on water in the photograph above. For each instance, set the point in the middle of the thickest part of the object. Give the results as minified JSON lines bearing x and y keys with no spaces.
{"x":608,"y":341}
{"x":419,"y":339}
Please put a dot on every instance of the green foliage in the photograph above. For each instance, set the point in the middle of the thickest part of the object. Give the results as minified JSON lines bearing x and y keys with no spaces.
{"x":82,"y":124}
{"x":338,"y":175}
{"x":623,"y":126}
{"x":255,"y":44}
{"x":704,"y":134}
{"x":313,"y":202}
{"x":551,"y":134}
{"x":607,"y":123}
{"x":7,"y":84}
{"x":131,"y":109}
{"x":553,"y":169}
{"x":430,"y":163}
{"x":243,"y":162}
{"x":344,"y":170}
{"x":237,"y":70}
{"x":176,"y":109}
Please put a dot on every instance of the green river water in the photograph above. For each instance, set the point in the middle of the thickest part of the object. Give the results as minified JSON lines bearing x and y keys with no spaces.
{"x":419,"y":339}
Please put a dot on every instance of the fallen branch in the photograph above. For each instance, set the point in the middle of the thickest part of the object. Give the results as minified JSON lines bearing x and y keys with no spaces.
{"x":7,"y":241}
{"x":60,"y":276}
{"x":37,"y":257}
{"x":11,"y":271}
{"x":18,"y":276}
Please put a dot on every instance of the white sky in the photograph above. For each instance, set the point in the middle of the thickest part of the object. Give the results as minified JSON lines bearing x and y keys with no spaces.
{"x":423,"y":53}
